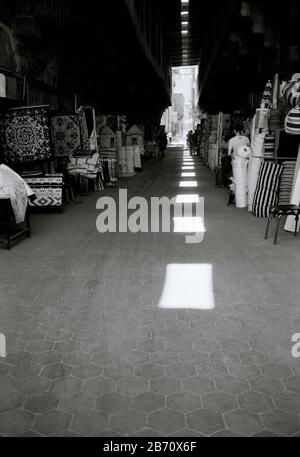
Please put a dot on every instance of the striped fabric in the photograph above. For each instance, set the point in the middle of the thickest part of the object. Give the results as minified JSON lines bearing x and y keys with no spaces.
{"x":267,"y":189}
{"x":269,"y":146}
{"x":286,"y":182}
{"x":290,"y":92}
{"x":292,"y":121}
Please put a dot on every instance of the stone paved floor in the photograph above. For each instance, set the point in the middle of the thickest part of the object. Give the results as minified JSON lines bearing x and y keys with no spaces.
{"x":91,"y":354}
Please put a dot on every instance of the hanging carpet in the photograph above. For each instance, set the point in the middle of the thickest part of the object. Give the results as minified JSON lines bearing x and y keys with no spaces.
{"x":266,"y":193}
{"x":66,"y":135}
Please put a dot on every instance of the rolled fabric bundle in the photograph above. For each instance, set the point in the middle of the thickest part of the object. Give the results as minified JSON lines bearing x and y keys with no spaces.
{"x":130,"y":159}
{"x":295,"y":196}
{"x":137,"y":157}
{"x":122,"y":154}
{"x":269,"y":146}
{"x":240,"y":176}
{"x":255,"y":161}
{"x":267,"y":188}
{"x":275,"y":93}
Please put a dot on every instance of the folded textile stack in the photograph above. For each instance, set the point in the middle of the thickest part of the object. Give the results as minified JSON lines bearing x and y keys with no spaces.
{"x":269,"y":146}
{"x":276,"y":120}
{"x":286,"y":182}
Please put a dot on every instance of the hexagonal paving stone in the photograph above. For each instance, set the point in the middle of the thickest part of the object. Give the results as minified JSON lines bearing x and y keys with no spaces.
{"x":219,"y":402}
{"x":266,"y":385}
{"x":106,"y":358}
{"x":87,"y":371}
{"x":206,"y":345}
{"x":224,"y":359}
{"x":165,"y":357}
{"x":10,"y":401}
{"x":205,"y":421}
{"x":33,"y":385}
{"x":227,"y":434}
{"x":41,"y":403}
{"x":148,"y":402}
{"x":179,"y":346}
{"x":187,"y":433}
{"x":128,"y":422}
{"x":184,"y":402}
{"x":194,"y":357}
{"x":150,"y":346}
{"x":232,"y":385}
{"x":165,"y":335}
{"x":149,"y":370}
{"x":281,"y":422}
{"x":276,"y":370}
{"x":77,"y":403}
{"x":134,"y":357}
{"x":181,"y":370}
{"x":256,"y":402}
{"x":230,"y":346}
{"x":98,"y":386}
{"x":167,"y":421}
{"x":198,"y":385}
{"x":13,"y":423}
{"x":89,"y":423}
{"x":67,"y":346}
{"x":112,"y":403}
{"x":49,"y":357}
{"x":288,"y":401}
{"x":36,"y":347}
{"x":132,"y":386}
{"x":54,"y":423}
{"x":119,"y":371}
{"x":292,"y":384}
{"x":75,"y":358}
{"x":148,"y":433}
{"x":165,"y":385}
{"x":253,"y":357}
{"x":212,"y":370}
{"x":66,"y":386}
{"x":56,"y":370}
{"x":244,"y":371}
{"x":244,"y":422}
{"x":266,"y":434}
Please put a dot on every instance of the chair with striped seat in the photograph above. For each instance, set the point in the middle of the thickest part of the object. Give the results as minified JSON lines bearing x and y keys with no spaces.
{"x":278,"y":212}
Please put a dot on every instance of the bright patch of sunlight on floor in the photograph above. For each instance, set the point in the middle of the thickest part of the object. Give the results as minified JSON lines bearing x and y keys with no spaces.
{"x":189,"y":225}
{"x":188,"y":286}
{"x":188,"y":184}
{"x":191,"y":167}
{"x":187,"y":198}
{"x":188,"y":175}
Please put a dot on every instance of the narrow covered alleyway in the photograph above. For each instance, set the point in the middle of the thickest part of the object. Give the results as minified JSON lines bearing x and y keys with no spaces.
{"x":92,"y":354}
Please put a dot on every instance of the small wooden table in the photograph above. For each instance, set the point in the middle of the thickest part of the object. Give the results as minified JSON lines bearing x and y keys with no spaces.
{"x":9,"y":230}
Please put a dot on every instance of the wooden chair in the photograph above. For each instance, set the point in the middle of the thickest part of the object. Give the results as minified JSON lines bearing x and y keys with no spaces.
{"x":278,"y":212}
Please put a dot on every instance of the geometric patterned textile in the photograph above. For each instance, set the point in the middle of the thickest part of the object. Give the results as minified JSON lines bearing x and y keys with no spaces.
{"x":48,"y":190}
{"x":66,"y":135}
{"x":26,"y":134}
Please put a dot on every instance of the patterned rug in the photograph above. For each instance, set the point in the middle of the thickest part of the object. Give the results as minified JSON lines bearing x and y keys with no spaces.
{"x":66,"y":135}
{"x":27,"y":134}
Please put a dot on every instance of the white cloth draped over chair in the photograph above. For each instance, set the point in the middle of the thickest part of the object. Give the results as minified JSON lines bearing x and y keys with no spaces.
{"x":12,"y":186}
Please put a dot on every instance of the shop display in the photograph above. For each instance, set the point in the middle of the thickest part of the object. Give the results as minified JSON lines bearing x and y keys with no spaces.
{"x":266,"y":193}
{"x":27,"y":134}
{"x":269,"y":146}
